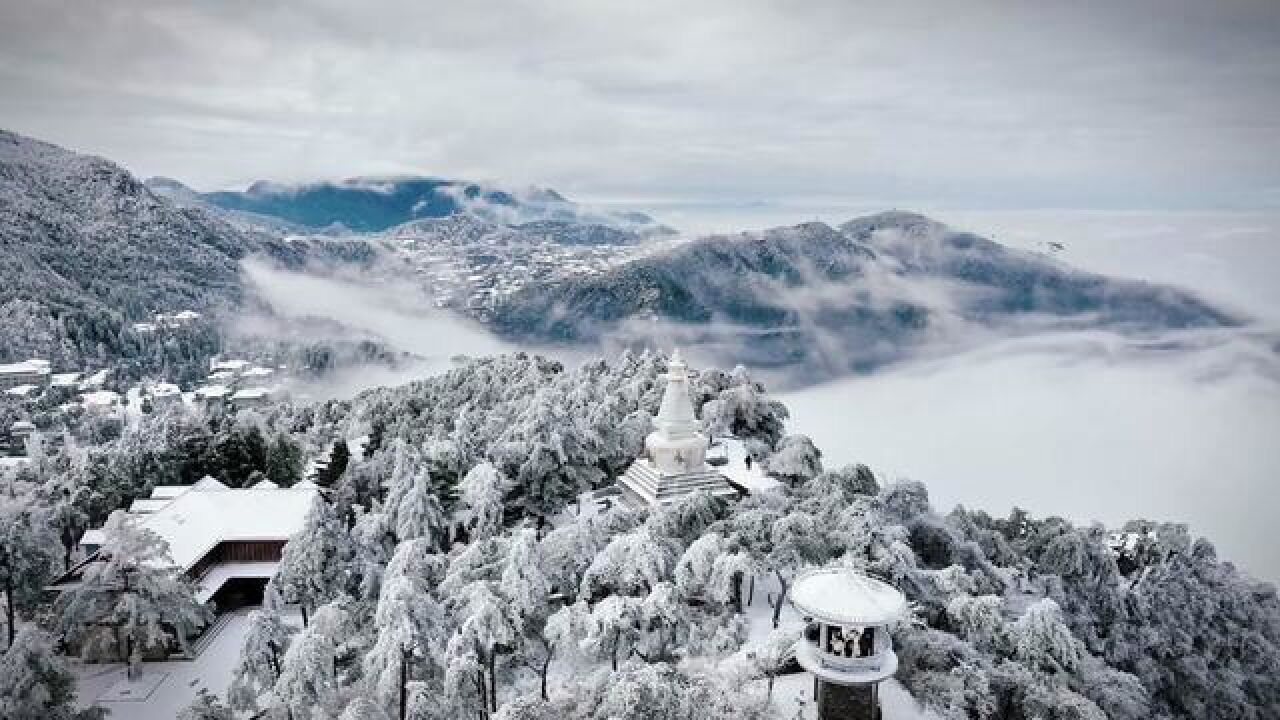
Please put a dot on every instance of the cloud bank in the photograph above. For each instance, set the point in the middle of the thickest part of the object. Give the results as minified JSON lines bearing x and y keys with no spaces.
{"x":1163,"y":103}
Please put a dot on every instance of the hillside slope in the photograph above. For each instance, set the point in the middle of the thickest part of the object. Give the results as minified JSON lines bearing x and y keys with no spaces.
{"x":839,"y":299}
{"x":85,"y":248}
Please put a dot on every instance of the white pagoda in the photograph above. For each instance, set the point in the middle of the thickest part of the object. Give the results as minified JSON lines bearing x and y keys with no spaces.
{"x":675,"y":459}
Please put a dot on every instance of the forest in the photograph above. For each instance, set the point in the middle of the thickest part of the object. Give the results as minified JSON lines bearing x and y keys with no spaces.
{"x":458,"y":567}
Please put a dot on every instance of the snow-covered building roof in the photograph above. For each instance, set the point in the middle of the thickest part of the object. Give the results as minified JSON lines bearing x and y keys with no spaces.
{"x":66,"y":379}
{"x":208,"y":513}
{"x":265,"y":485}
{"x":22,"y":427}
{"x":34,"y":365}
{"x":164,"y":390}
{"x":212,"y":392}
{"x":146,"y":506}
{"x":100,"y":399}
{"x":234,"y":366}
{"x":841,"y":596}
{"x":23,"y":391}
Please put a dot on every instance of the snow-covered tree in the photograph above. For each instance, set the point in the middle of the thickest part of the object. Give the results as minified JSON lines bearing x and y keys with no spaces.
{"x":35,"y":682}
{"x":28,"y":555}
{"x":1043,"y":641}
{"x":206,"y":706}
{"x":363,"y":709}
{"x":260,"y":662}
{"x":308,"y":686}
{"x":772,"y":655}
{"x":409,"y":622}
{"x":483,"y":495}
{"x":796,"y":542}
{"x":131,"y":600}
{"x":693,"y":570}
{"x":614,"y":626}
{"x":316,"y":565}
{"x":524,"y":583}
{"x":797,"y":460}
{"x":568,"y":551}
{"x":564,"y":633}
{"x":418,"y":513}
{"x":632,"y":563}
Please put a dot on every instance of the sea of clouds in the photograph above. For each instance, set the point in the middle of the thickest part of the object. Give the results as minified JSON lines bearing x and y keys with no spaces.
{"x":1087,"y":425}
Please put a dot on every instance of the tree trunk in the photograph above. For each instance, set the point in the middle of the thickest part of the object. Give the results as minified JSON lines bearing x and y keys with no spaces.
{"x":493,"y":681}
{"x":751,"y":591}
{"x":737,"y":592}
{"x":404,"y":683}
{"x":772,"y":677}
{"x":275,"y":659}
{"x":546,"y":665}
{"x":8,"y":605}
{"x":782,"y":596}
{"x":617,"y":640}
{"x":303,"y":608}
{"x":484,"y":694}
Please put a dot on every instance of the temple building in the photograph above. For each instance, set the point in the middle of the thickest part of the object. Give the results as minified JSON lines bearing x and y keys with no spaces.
{"x":227,"y":540}
{"x":675,"y":459}
{"x":846,"y":643}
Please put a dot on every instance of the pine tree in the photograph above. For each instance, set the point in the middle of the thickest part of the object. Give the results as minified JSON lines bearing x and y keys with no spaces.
{"x":261,"y":653}
{"x":28,"y":552}
{"x":418,"y":513}
{"x":316,"y":565}
{"x":483,"y":493}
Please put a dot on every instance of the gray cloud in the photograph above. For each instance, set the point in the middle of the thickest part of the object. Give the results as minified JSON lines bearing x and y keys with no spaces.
{"x":1082,"y":104}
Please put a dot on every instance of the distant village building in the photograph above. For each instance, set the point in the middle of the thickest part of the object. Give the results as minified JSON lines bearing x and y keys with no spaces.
{"x":212,"y":394}
{"x":29,"y":372}
{"x":251,"y":397}
{"x":228,"y":541}
{"x":164,"y":393}
{"x":102,"y":401}
{"x":675,"y":460}
{"x":846,"y":643}
{"x":18,"y":434}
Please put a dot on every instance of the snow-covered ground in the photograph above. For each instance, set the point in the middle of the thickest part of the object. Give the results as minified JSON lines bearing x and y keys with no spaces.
{"x":164,"y":688}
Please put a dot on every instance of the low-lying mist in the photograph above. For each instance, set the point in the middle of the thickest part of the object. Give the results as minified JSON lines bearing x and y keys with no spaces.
{"x":358,"y":308}
{"x":1085,"y":426}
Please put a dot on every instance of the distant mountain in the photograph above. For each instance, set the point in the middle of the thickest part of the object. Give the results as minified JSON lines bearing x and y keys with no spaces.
{"x":373,"y":204}
{"x":837,"y":299}
{"x":86,"y":250}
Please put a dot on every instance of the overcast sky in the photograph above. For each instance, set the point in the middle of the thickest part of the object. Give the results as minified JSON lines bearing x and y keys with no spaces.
{"x":1165,"y":104}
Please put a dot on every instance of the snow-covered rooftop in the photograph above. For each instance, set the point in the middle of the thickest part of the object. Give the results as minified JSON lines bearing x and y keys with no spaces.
{"x":165,"y":390}
{"x":100,"y":398}
{"x":146,"y":506}
{"x":194,"y":522}
{"x":22,"y":390}
{"x":230,"y":365}
{"x":33,"y":365}
{"x":66,"y":379}
{"x":841,"y":596}
{"x":212,"y":392}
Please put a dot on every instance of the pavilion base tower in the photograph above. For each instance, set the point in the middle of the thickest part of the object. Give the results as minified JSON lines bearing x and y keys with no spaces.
{"x":848,"y":702}
{"x":846,"y":643}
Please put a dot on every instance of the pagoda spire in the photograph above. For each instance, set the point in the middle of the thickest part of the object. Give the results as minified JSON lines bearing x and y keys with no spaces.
{"x":675,"y":418}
